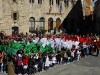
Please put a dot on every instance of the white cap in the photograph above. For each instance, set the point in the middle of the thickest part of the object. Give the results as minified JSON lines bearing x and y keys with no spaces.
{"x":19,"y":55}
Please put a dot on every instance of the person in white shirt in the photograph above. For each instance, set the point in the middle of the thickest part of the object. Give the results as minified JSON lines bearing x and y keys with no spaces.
{"x":47,"y":63}
{"x":78,"y":54}
{"x":85,"y":49}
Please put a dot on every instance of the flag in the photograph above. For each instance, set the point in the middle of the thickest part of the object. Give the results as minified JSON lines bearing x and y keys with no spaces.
{"x":60,"y":8}
{"x":50,"y":9}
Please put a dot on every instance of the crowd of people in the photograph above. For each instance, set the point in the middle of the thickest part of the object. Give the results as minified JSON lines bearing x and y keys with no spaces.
{"x":65,"y":49}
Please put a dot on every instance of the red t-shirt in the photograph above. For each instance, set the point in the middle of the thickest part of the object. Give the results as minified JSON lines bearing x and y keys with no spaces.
{"x":91,"y":41}
{"x":25,"y":61}
{"x":82,"y":40}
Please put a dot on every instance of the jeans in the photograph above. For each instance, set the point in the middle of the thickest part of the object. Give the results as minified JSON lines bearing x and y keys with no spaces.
{"x":43,"y":65}
{"x":97,"y":52}
{"x":25,"y":71}
{"x":4,"y":68}
{"x":19,"y":69}
{"x":31,"y":70}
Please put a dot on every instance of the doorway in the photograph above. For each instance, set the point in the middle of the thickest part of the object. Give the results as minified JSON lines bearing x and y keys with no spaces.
{"x":15,"y":30}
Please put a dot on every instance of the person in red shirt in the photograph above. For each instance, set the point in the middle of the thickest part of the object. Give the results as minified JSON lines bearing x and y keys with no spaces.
{"x":69,"y":38}
{"x":91,"y":41}
{"x":25,"y":64}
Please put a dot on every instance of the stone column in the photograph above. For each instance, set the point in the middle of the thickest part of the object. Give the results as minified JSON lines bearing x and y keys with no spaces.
{"x":54,"y":24}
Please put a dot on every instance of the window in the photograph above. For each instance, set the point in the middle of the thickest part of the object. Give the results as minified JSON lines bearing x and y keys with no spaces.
{"x":66,"y":2}
{"x":31,"y":1}
{"x":15,"y":16}
{"x":72,"y":2}
{"x":15,"y":30}
{"x":50,"y":24}
{"x":14,"y":0}
{"x":51,"y":2}
{"x":57,"y":2}
{"x":42,"y":23}
{"x":32,"y":24}
{"x":39,"y":1}
{"x":58,"y":22}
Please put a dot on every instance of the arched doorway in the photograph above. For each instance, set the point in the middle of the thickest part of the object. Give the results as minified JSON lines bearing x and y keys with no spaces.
{"x":15,"y":30}
{"x":50,"y":23}
{"x":58,"y":22}
{"x":42,"y":23}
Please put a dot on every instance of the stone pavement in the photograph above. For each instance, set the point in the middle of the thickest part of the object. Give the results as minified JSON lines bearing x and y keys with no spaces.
{"x":86,"y":66}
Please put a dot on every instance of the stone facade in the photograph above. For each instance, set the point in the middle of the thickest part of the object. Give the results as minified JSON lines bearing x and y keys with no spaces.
{"x":29,"y":13}
{"x":87,"y":7}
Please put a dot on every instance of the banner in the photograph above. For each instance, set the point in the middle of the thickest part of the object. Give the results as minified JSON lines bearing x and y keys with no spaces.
{"x":50,"y":9}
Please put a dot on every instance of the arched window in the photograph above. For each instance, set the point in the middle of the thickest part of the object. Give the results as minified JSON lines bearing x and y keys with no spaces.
{"x":51,"y":2}
{"x":66,"y":2}
{"x":58,"y":22}
{"x":39,"y":1}
{"x":50,"y":23}
{"x":57,"y":2}
{"x":32,"y":24}
{"x":42,"y":23}
{"x":31,"y":1}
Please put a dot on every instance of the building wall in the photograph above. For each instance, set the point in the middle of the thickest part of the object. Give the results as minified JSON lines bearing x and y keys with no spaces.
{"x":26,"y":10}
{"x":87,"y":7}
{"x":1,"y":11}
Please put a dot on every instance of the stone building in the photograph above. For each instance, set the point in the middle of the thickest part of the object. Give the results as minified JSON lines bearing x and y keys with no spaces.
{"x":18,"y":16}
{"x":87,"y":7}
{"x":79,"y":20}
{"x":88,"y":22}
